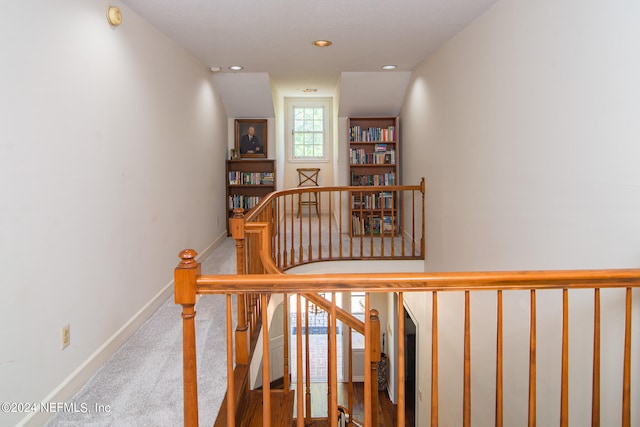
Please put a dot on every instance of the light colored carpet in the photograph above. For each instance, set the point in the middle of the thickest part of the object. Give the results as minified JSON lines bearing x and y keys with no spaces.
{"x":142,"y":381}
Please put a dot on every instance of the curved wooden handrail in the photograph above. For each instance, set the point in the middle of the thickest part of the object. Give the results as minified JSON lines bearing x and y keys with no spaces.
{"x":266,"y":200}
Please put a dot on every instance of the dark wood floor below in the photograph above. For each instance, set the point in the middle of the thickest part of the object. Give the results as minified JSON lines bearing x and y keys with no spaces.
{"x":387,"y":411}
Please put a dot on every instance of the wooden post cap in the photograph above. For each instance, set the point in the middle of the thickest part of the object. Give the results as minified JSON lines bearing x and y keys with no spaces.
{"x":238,"y":212}
{"x":374,"y":314}
{"x":187,"y":257}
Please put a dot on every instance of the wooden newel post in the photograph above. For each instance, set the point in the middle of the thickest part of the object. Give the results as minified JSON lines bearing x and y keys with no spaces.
{"x":185,"y":276}
{"x":242,"y":336}
{"x":375,"y":358}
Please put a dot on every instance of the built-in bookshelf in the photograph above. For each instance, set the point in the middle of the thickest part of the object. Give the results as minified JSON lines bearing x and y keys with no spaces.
{"x":373,"y":163}
{"x":248,"y":181}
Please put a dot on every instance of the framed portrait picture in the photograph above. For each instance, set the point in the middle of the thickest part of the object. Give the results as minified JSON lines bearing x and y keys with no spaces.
{"x":251,"y":138}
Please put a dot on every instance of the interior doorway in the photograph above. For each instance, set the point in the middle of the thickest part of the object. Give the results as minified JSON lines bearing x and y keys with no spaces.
{"x":411,"y":356}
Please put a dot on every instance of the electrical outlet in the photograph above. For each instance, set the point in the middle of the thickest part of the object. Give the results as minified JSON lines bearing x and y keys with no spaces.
{"x":65,"y":334}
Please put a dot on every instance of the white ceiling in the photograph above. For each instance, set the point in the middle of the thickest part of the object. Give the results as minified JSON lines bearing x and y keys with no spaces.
{"x":272,"y":39}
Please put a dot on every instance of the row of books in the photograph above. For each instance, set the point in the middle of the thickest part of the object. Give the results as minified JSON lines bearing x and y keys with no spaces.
{"x":250,"y":178}
{"x":244,"y":202}
{"x":360,"y":134}
{"x":372,"y":225}
{"x":382,"y":200}
{"x":359,"y":156}
{"x":388,"y":178}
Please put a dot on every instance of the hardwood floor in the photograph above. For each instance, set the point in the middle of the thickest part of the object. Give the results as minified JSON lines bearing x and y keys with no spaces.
{"x":283,"y":407}
{"x":386,"y":410}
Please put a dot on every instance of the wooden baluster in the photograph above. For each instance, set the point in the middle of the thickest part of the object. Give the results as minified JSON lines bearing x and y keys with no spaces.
{"x":532,"y":362}
{"x":301,"y":255}
{"x":299,"y":374}
{"x":367,"y":362}
{"x":307,"y":362}
{"x":285,"y":321}
{"x":394,"y":218}
{"x":466,"y":404}
{"x":274,"y":224}
{"x":422,"y":215}
{"x":350,"y":379}
{"x":185,"y":276}
{"x":330,"y":225}
{"x":266,"y":374}
{"x":329,"y":364}
{"x":340,"y":224}
{"x":401,"y":362}
{"x":434,"y":361}
{"x":310,"y":246}
{"x":283,"y":234}
{"x":319,"y":209}
{"x":375,"y":358}
{"x":398,"y":214}
{"x":278,"y":231}
{"x":231,"y":414}
{"x":626,"y":379}
{"x":595,"y":389}
{"x":333,"y":373}
{"x":371,"y":213}
{"x":564,"y":383}
{"x":361,"y":232}
{"x":293,"y":233}
{"x":252,"y":312}
{"x":381,"y":204}
{"x":413,"y":223}
{"x":499,"y":365}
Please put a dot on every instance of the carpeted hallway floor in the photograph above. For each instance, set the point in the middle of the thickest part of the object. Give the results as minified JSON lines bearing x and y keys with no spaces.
{"x":141,"y":384}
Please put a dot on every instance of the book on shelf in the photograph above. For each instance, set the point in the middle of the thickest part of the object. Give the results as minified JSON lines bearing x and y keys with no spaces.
{"x":360,"y":156}
{"x":373,"y":179}
{"x":387,"y":223}
{"x":368,"y":200}
{"x":250,"y":178}
{"x":242,"y":201}
{"x":372,"y":134}
{"x":372,"y":225}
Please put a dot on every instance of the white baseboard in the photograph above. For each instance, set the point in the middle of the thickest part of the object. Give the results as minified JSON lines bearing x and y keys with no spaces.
{"x":84,"y":372}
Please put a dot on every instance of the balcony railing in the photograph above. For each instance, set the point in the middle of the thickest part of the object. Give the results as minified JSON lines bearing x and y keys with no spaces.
{"x":300,"y":237}
{"x":264,"y":243}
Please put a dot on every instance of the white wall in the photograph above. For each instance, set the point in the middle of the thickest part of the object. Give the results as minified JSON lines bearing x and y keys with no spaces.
{"x":112,"y":144}
{"x":526,"y":124}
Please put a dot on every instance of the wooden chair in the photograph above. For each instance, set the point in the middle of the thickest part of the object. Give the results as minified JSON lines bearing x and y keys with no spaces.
{"x":308,"y":177}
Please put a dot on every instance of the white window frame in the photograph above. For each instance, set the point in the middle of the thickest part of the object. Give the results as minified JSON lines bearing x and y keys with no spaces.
{"x":291,"y":104}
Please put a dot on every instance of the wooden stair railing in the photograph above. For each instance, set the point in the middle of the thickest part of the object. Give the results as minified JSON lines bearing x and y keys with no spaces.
{"x":260,"y":258}
{"x":299,"y":240}
{"x":189,"y":284}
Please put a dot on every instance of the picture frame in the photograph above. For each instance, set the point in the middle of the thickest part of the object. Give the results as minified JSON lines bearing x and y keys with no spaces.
{"x":254,"y":146}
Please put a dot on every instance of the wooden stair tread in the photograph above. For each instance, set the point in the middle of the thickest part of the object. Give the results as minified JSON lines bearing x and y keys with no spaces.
{"x":281,"y":409}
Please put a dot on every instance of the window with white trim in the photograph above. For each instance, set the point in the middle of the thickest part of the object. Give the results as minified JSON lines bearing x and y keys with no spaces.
{"x":309,"y":125}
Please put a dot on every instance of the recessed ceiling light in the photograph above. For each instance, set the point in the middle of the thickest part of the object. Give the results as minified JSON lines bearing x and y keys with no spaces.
{"x":309,"y":90}
{"x":235,"y":68}
{"x":389,"y":67}
{"x":322,"y":43}
{"x":215,"y":69}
